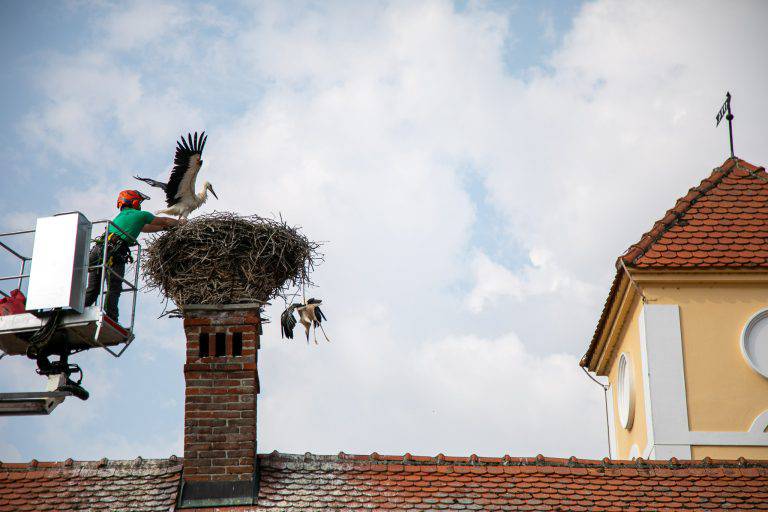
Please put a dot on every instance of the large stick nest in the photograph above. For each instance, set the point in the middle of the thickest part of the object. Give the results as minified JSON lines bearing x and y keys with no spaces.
{"x":222,"y":258}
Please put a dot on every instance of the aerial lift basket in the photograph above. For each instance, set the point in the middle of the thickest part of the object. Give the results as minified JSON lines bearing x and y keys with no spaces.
{"x":56,"y":278}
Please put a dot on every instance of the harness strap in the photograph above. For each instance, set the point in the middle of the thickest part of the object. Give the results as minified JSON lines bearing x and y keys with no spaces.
{"x":116,"y":246}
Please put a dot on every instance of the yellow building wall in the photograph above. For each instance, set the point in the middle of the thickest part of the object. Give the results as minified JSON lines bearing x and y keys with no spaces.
{"x":730,"y":452}
{"x":723,"y":392}
{"x":629,"y":341}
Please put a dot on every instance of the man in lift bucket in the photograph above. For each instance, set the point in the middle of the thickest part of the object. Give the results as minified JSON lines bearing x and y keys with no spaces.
{"x":132,"y":220}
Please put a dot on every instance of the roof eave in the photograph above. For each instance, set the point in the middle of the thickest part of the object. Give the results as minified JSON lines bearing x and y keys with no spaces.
{"x":608,"y":318}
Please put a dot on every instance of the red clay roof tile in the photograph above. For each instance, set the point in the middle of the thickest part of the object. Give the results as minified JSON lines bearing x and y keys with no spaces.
{"x":509,"y":483}
{"x":150,"y":485}
{"x":732,"y":202}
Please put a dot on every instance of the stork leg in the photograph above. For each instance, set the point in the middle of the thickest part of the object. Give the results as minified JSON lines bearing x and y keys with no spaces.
{"x":314,"y":332}
{"x":306,"y":329}
{"x":323,"y":331}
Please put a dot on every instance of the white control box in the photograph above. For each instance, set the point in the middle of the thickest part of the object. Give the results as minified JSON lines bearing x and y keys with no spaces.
{"x":59,"y":263}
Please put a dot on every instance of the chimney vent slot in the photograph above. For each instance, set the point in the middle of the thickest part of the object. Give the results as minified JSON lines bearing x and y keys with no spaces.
{"x":221,"y":344}
{"x":204,"y":352}
{"x":237,"y":344}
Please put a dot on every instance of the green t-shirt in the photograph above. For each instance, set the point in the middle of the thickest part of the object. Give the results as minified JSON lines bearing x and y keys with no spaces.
{"x":131,"y":221}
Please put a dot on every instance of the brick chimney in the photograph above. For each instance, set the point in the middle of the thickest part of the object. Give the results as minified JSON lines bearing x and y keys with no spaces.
{"x":220,"y":462}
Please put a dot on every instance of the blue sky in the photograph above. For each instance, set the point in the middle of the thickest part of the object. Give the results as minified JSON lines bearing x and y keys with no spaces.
{"x":475,"y":167}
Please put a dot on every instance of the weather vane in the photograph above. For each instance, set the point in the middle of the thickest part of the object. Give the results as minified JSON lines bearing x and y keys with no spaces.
{"x":726,"y":108}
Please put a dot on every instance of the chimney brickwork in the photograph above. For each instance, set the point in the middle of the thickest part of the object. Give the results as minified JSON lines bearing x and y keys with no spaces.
{"x":221,"y":387}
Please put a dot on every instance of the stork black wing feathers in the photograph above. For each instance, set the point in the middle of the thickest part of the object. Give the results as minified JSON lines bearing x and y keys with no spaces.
{"x":153,"y":183}
{"x":185,"y":149}
{"x":319,"y":314}
{"x":287,"y":323}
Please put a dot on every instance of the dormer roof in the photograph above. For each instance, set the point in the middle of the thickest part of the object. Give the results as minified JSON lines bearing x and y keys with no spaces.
{"x":720,"y":224}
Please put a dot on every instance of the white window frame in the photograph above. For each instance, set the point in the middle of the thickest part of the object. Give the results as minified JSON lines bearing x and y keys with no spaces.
{"x":758,"y":317}
{"x":625,"y":396}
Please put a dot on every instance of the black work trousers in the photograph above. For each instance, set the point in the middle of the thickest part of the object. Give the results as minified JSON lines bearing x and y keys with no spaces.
{"x":116,"y":259}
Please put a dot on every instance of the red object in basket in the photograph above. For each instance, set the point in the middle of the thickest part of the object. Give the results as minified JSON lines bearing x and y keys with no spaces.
{"x":14,"y":304}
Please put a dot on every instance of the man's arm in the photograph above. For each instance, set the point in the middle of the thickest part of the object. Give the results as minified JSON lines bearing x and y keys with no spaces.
{"x":160,"y":224}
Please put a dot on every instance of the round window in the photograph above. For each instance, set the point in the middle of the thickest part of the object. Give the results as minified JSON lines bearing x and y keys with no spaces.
{"x":754,"y":342}
{"x":626,"y":391}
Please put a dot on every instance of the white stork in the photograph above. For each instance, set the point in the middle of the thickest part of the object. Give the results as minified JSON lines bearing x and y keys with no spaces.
{"x":309,"y":316}
{"x":180,"y":193}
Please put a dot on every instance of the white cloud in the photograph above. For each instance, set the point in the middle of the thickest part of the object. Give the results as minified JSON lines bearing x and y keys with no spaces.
{"x":459,"y":394}
{"x":18,"y":221}
{"x":82,"y":429}
{"x":99,"y":116}
{"x":140,"y":23}
{"x":7,"y":450}
{"x":540,"y":276}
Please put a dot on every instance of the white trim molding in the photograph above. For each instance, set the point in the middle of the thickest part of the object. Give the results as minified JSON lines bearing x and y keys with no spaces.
{"x":756,"y":436}
{"x":626,"y":391}
{"x":666,"y":405}
{"x":760,"y":366}
{"x":646,"y":388}
{"x":728,"y":438}
{"x":759,"y":424}
{"x":614,"y":444}
{"x":661,"y":346}
{"x":667,"y":451}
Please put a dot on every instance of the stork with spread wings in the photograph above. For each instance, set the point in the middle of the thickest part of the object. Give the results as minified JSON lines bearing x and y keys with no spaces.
{"x":310,"y":315}
{"x":180,"y":196}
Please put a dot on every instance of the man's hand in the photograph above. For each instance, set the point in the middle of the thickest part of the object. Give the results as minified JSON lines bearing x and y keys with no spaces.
{"x":161,"y":224}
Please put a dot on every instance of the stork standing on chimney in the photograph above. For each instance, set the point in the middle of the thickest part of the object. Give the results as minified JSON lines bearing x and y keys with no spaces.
{"x":180,"y":193}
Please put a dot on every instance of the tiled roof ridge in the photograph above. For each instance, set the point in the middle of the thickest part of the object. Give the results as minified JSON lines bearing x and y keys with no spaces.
{"x":405,"y":459}
{"x":104,"y":463}
{"x":672,"y":216}
{"x":539,"y":460}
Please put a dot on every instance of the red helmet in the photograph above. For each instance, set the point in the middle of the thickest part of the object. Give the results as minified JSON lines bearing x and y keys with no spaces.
{"x":131,"y":199}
